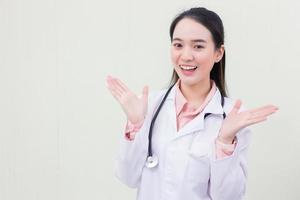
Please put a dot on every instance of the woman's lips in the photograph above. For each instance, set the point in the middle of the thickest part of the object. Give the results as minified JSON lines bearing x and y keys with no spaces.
{"x":188,"y":67}
{"x":188,"y":70}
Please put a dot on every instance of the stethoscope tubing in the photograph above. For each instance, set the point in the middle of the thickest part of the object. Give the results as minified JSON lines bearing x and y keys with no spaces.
{"x":153,"y":121}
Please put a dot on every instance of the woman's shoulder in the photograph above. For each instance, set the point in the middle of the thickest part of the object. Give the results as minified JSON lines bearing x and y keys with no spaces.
{"x":158,"y":92}
{"x":228,"y":104}
{"x":154,"y":95}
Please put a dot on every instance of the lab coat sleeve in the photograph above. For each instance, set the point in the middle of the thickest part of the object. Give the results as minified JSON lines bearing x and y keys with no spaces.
{"x":228,"y":175}
{"x":132,"y":154}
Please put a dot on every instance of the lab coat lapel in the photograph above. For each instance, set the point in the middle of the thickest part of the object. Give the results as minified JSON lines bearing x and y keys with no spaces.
{"x":197,"y":124}
{"x":214,"y":106}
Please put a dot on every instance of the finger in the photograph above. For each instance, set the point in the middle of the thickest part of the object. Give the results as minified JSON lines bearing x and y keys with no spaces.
{"x":113,"y":82}
{"x":256,"y":120}
{"x":260,"y":117}
{"x":122,"y":85}
{"x":114,"y":91}
{"x":145,"y":90}
{"x":111,"y":85}
{"x":117,"y":86}
{"x":237,"y":106}
{"x":145,"y":94}
{"x":110,"y":80}
{"x":263,"y":108}
{"x":108,"y":77}
{"x":264,"y":112}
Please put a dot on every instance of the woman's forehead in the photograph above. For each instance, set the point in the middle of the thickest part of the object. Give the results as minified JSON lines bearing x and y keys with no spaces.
{"x":189,"y":29}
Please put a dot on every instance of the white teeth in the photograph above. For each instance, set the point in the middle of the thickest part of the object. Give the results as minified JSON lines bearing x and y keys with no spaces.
{"x":187,"y":67}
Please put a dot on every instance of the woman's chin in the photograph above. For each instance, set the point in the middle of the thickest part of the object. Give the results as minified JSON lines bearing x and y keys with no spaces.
{"x":188,"y":81}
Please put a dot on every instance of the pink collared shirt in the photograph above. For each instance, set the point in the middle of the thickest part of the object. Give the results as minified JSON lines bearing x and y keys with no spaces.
{"x":184,"y":111}
{"x":184,"y":114}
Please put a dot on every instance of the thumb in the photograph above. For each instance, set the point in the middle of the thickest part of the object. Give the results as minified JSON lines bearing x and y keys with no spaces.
{"x":237,"y":106}
{"x":145,"y":94}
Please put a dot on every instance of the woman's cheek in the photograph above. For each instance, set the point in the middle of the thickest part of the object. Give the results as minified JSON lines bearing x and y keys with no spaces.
{"x":174,"y":58}
{"x":204,"y":59}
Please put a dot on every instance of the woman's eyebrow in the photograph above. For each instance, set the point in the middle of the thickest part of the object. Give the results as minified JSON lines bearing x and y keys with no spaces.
{"x":196,"y":40}
{"x":199,"y":40}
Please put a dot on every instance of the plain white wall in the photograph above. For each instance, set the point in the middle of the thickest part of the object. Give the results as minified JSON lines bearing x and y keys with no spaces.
{"x":59,"y":126}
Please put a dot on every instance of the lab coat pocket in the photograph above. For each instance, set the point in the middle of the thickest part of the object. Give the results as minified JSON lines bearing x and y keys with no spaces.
{"x":198,"y":164}
{"x":199,"y":149}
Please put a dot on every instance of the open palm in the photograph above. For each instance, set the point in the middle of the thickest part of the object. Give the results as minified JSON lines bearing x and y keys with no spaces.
{"x":134,"y":107}
{"x":236,"y":120}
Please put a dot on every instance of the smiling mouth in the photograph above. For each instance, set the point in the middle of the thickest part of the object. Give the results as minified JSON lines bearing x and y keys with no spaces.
{"x":188,"y":67}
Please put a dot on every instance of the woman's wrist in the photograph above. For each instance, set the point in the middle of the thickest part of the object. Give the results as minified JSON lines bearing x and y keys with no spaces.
{"x":136,"y":120}
{"x":225,"y":140}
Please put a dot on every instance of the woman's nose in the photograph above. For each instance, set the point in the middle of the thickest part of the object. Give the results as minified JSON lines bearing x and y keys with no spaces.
{"x":187,"y":54}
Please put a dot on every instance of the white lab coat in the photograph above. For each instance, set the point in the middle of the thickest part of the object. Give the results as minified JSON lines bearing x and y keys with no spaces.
{"x":188,"y":168}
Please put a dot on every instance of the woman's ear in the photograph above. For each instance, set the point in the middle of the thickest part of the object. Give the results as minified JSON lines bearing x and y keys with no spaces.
{"x":219,"y":53}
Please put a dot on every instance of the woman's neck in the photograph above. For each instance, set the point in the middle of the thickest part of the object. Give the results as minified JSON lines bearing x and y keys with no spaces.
{"x":196,"y":94}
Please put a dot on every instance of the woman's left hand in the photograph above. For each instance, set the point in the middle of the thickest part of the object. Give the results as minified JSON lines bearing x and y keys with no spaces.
{"x":236,"y":120}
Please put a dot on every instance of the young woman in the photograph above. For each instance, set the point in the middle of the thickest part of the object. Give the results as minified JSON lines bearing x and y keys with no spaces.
{"x":188,"y":141}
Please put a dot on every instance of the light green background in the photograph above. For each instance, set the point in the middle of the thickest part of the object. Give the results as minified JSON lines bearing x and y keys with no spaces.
{"x":59,"y":126}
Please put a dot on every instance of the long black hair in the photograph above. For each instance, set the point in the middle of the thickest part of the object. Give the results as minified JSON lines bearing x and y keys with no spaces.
{"x":214,"y":24}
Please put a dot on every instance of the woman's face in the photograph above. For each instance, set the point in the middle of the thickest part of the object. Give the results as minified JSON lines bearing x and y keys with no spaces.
{"x":193,"y":52}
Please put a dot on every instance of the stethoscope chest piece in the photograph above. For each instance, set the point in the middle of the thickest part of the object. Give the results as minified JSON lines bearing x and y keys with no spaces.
{"x":151,"y":161}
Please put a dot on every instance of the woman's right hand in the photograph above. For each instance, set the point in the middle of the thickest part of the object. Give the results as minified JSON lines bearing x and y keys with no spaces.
{"x":134,"y":107}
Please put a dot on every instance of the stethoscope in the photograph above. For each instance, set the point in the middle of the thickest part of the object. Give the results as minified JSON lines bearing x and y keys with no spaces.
{"x":152,"y":159}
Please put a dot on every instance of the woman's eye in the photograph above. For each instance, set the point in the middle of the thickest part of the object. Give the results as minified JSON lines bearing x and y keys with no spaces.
{"x":198,"y":47}
{"x":177,"y":45}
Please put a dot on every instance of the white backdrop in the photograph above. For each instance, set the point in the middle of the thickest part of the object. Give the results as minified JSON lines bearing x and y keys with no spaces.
{"x":59,"y":126}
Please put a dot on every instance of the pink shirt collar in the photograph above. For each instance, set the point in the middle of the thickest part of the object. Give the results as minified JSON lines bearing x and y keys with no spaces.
{"x":182,"y":104}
